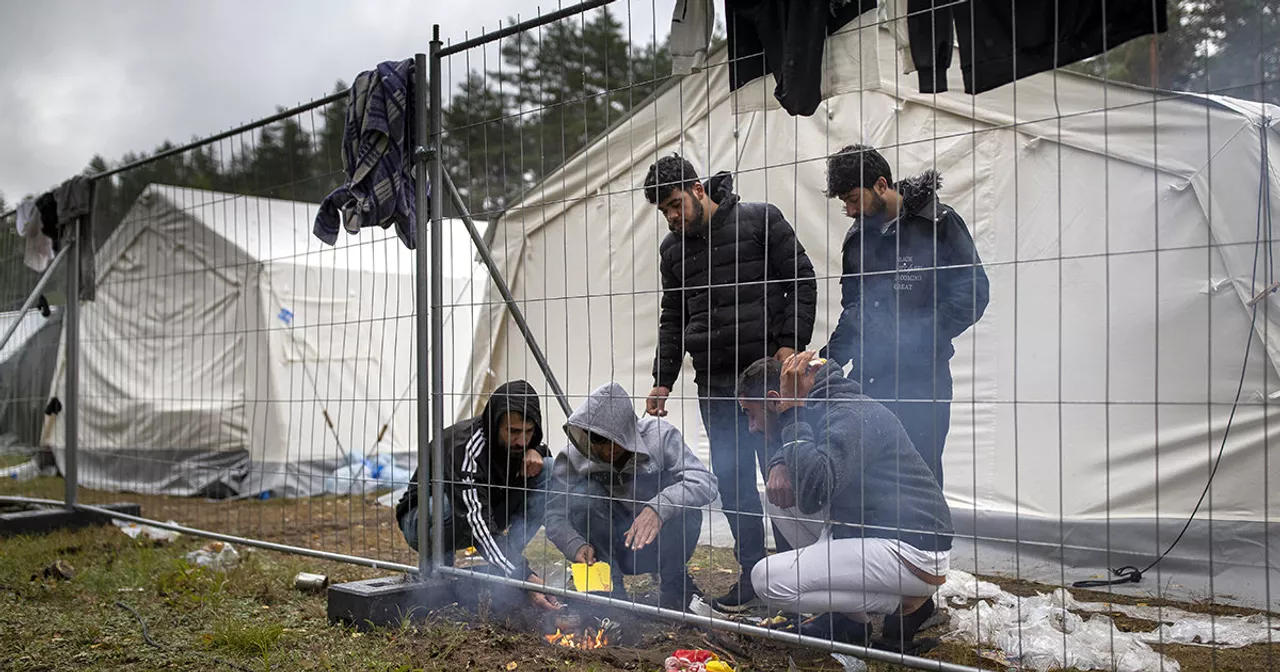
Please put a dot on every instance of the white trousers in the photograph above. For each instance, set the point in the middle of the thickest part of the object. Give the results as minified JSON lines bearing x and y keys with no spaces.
{"x":854,"y":577}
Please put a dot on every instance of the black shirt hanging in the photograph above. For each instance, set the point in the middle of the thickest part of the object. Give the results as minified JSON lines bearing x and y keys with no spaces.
{"x":1002,"y":41}
{"x":785,"y":38}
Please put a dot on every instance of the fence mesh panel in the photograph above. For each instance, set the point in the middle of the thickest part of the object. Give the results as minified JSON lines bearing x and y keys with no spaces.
{"x":1042,"y":305}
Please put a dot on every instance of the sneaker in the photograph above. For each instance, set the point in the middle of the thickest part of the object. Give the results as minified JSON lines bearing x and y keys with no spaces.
{"x":837,"y":628}
{"x":899,"y":632}
{"x":677,"y":597}
{"x":740,"y":598}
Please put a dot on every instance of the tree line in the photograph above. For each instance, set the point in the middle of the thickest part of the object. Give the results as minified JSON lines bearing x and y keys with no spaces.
{"x":552,"y":91}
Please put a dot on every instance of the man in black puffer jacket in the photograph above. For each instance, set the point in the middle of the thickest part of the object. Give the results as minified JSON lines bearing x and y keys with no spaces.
{"x":912,"y":281}
{"x":736,"y":286}
{"x":496,"y":471}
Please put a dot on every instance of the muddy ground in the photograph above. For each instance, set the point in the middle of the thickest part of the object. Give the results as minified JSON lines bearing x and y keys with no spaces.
{"x":253,"y":617}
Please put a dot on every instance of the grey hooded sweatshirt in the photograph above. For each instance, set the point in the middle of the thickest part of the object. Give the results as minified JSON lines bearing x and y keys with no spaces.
{"x":662,"y":474}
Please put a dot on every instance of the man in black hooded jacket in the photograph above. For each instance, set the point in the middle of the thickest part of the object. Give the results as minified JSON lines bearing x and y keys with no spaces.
{"x":911,"y":282}
{"x":496,"y":475}
{"x":736,"y":286}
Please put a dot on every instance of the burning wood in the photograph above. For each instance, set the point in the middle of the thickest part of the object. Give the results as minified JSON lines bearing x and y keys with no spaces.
{"x":587,"y":641}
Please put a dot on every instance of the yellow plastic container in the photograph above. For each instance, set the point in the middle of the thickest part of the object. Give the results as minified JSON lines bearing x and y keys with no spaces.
{"x":592,"y":578}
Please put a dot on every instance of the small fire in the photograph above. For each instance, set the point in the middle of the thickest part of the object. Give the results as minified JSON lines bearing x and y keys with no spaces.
{"x":586,"y":641}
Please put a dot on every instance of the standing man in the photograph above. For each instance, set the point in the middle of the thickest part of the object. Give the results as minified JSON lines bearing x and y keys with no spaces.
{"x":736,"y":286}
{"x":911,"y":282}
{"x":848,"y":490}
{"x":496,"y":475}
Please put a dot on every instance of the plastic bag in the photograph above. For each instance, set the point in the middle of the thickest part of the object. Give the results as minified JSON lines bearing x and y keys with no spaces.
{"x":963,"y":587}
{"x":215,"y":555}
{"x":850,"y":663}
{"x":135,"y":530}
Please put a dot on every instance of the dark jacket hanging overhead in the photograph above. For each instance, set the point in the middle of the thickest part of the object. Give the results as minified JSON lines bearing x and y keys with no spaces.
{"x":999,"y":45}
{"x":785,"y":38}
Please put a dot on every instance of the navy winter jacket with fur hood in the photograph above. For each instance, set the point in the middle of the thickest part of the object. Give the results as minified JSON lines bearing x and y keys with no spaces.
{"x":908,"y":289}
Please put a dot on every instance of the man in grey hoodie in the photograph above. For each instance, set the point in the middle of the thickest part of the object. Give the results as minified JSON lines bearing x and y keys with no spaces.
{"x":630,"y":496}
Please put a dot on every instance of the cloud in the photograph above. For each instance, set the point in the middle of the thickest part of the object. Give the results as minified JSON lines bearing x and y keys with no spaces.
{"x":114,"y":76}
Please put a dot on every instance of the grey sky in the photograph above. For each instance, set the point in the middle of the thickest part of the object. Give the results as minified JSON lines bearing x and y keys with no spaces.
{"x":82,"y":77}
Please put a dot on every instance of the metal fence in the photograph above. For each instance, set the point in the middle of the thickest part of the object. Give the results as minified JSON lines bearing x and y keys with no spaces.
{"x":1104,"y":403}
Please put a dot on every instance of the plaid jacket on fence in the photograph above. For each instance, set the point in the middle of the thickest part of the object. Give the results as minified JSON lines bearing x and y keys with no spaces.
{"x":377,"y":156}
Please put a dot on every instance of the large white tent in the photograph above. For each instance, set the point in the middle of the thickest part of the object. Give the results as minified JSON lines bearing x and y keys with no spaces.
{"x":229,"y":351}
{"x":1119,"y":227}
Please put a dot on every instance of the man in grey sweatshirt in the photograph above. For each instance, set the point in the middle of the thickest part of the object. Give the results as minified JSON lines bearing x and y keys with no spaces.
{"x":630,"y":496}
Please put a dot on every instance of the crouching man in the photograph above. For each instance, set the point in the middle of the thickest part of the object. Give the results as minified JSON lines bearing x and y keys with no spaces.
{"x":849,"y":492}
{"x":628,"y":493}
{"x":495,"y":483}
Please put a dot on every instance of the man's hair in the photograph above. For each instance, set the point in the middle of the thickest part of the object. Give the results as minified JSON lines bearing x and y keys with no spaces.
{"x":855,"y":166}
{"x":763,"y":376}
{"x":666,"y":175}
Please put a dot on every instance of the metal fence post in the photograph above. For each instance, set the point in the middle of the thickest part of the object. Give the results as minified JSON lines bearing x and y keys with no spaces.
{"x":437,"y":299}
{"x":71,"y":423}
{"x":422,"y":160}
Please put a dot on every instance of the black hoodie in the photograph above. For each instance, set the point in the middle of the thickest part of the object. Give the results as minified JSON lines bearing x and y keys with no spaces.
{"x":908,"y":289}
{"x":483,"y":481}
{"x":732,"y":293}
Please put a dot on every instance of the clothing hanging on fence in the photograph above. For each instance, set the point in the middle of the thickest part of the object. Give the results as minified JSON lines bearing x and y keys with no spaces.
{"x":377,"y":155}
{"x":998,"y":45}
{"x":787,"y":39}
{"x":74,"y":205}
{"x":692,"y":23}
{"x":47,"y":206}
{"x":925,"y":38}
{"x":39,"y":248}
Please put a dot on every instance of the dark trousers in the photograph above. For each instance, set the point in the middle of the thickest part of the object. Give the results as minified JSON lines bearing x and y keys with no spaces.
{"x":923,"y":405}
{"x":737,"y":456}
{"x":603,"y":521}
{"x":520,"y":520}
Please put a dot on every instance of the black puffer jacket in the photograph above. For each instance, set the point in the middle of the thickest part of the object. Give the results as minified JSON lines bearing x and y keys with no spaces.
{"x":908,"y":289}
{"x":484,"y":482}
{"x":733,"y":294}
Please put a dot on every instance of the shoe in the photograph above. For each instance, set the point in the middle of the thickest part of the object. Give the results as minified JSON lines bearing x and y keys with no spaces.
{"x":677,"y":596}
{"x":899,"y":632}
{"x":740,"y":598}
{"x":837,"y":628}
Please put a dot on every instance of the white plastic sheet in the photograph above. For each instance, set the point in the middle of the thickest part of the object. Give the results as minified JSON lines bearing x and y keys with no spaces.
{"x":1042,"y":633}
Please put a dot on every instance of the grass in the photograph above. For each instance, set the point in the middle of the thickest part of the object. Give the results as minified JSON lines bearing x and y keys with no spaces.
{"x":252,"y":618}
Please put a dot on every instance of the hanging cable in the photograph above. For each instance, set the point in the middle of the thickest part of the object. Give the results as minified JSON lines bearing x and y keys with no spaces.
{"x":1130,"y":573}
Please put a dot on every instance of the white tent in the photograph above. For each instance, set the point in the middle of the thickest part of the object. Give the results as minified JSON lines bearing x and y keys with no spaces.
{"x":1119,"y":227}
{"x":230,"y":351}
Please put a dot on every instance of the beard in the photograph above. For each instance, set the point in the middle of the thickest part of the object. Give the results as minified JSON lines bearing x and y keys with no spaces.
{"x":875,"y":212}
{"x":695,"y":225}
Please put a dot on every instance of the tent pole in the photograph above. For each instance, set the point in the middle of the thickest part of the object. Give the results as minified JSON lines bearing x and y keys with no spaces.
{"x":71,"y":423}
{"x":35,"y":294}
{"x":423,"y":160}
{"x":436,"y":110}
{"x":501,"y":283}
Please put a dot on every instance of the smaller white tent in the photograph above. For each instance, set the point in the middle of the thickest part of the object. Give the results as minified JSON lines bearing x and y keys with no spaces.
{"x":26,"y":369}
{"x":230,"y":352}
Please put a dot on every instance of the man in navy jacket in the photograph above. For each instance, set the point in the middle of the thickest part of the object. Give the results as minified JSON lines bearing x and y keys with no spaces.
{"x":911,"y":282}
